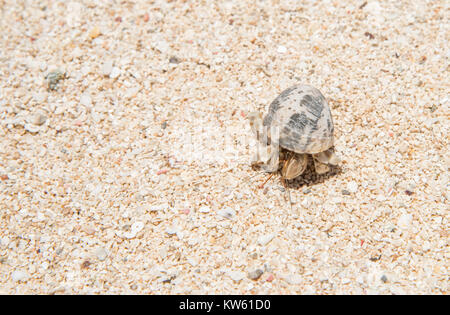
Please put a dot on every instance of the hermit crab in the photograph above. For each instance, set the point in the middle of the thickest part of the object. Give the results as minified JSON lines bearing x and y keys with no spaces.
{"x":298,"y":124}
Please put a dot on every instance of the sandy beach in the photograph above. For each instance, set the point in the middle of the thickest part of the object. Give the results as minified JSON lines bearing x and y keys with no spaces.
{"x":125,"y":147}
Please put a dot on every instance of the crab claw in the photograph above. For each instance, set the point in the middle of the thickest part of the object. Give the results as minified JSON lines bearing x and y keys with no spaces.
{"x":327,"y":157}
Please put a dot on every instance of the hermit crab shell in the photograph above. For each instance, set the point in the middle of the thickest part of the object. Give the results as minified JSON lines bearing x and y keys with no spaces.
{"x":299,"y":120}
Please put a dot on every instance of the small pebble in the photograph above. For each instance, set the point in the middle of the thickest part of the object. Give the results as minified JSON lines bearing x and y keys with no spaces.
{"x":31,"y":128}
{"x":163,"y":253}
{"x":405,"y":221}
{"x":114,"y":73}
{"x":236,"y":275}
{"x":160,"y":207}
{"x":101,"y":253}
{"x":281,"y":49}
{"x":369,"y":35}
{"x":352,"y":187}
{"x":53,"y":78}
{"x":174,"y":59}
{"x":39,"y":119}
{"x":255,"y":274}
{"x":204,"y":209}
{"x":160,"y":172}
{"x":375,"y":258}
{"x":426,"y":246}
{"x":162,"y":46}
{"x":191,"y":261}
{"x":19,"y":275}
{"x":226,"y":213}
{"x":4,"y":241}
{"x":43,"y":66}
{"x":168,"y":278}
{"x":345,"y":192}
{"x":346,"y":281}
{"x":384,"y":279}
{"x":94,"y":33}
{"x":107,"y":68}
{"x":86,"y":100}
{"x":172,"y":230}
{"x":293,"y":279}
{"x":135,"y":228}
{"x":39,"y":97}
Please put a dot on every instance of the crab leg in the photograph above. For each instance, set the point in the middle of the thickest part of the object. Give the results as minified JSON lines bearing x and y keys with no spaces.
{"x":283,"y":180}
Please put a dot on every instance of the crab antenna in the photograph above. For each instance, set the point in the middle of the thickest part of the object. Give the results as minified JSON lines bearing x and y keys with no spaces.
{"x":262,"y":185}
{"x":289,"y":197}
{"x":288,"y":193}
